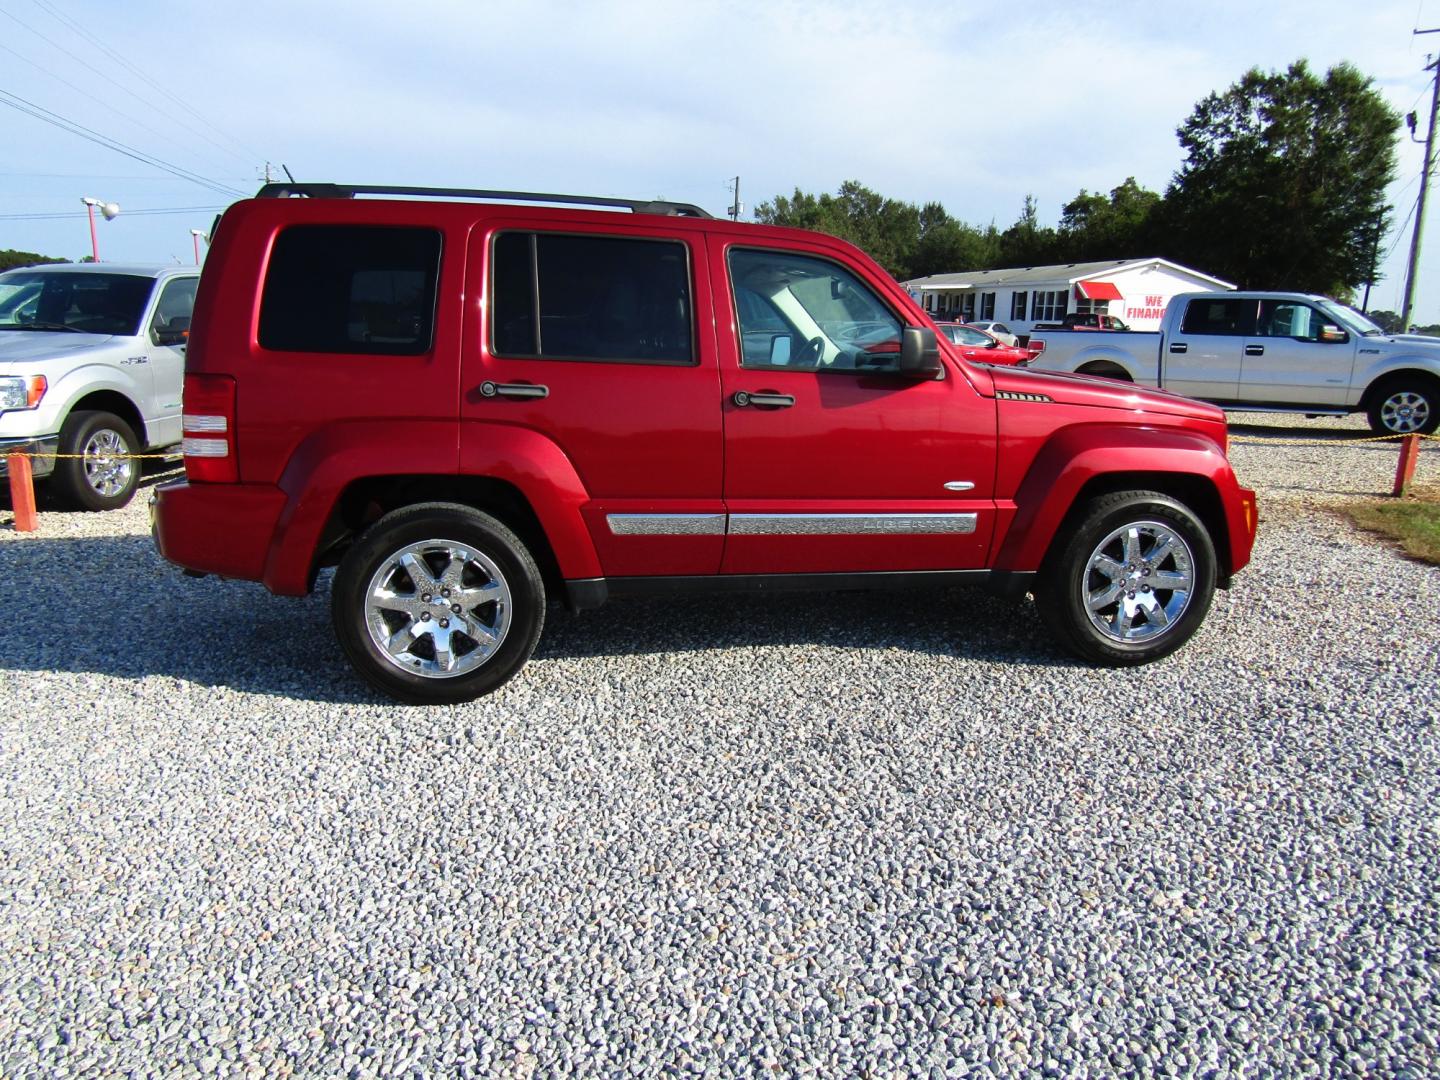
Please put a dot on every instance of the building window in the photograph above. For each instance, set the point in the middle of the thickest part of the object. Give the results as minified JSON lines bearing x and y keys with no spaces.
{"x":987,"y":307}
{"x":1096,"y":307}
{"x":967,"y":307}
{"x":1050,"y":305}
{"x":1017,"y":305}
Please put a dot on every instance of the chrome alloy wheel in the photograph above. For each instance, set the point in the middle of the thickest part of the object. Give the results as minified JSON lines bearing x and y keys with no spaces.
{"x":1405,"y":412}
{"x":1138,"y":582}
{"x":107,"y":468}
{"x":437,"y":608}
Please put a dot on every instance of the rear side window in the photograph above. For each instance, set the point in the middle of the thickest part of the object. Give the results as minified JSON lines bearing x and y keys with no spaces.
{"x":1227,"y":317}
{"x":602,"y":298}
{"x":351,"y":289}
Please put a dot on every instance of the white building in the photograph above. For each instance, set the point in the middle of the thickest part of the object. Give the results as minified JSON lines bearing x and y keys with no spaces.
{"x":1135,"y":290}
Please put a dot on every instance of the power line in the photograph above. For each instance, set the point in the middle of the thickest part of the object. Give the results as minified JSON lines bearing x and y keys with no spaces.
{"x":148,"y":104}
{"x":78,"y":28}
{"x":65,"y":215}
{"x":85,"y":93}
{"x":56,"y":120}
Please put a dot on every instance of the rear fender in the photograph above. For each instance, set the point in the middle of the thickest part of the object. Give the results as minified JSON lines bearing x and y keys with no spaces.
{"x":331,"y":459}
{"x":1079,"y":456}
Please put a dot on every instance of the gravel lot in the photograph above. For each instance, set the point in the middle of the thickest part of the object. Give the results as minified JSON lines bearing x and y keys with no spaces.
{"x":831,"y":836}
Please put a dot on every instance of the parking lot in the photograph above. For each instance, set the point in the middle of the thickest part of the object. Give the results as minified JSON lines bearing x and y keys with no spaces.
{"x":861,"y":834}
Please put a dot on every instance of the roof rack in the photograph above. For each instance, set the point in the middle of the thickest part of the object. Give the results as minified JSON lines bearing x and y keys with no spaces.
{"x":349,"y":191}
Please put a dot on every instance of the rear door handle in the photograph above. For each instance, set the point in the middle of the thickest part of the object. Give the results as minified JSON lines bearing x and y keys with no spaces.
{"x":1179,"y":346}
{"x":743,"y":398}
{"x":1254,"y":350}
{"x":490,"y":389}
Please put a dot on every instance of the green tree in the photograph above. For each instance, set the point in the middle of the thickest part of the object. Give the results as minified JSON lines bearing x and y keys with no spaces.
{"x":10,"y":259}
{"x":1027,"y":242}
{"x":1284,"y":180}
{"x":1120,"y":227}
{"x":887,"y":230}
{"x":1389,"y":321}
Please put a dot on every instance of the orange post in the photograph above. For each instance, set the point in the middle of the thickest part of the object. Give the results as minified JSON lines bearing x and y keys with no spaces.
{"x":1405,"y":471}
{"x":22,"y":492}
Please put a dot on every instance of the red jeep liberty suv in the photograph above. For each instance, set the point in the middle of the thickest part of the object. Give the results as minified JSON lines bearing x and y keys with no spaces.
{"x":470,"y":402}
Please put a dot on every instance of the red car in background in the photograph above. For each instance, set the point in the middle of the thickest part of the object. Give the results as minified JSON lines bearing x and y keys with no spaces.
{"x":976,"y":345}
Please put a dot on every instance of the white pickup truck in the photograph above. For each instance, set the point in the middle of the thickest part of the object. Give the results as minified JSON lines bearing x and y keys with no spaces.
{"x":1270,"y":352}
{"x":92,"y":361}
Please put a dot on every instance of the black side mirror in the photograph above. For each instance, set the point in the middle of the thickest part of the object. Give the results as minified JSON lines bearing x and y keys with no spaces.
{"x":174,"y":332}
{"x":919,"y":353}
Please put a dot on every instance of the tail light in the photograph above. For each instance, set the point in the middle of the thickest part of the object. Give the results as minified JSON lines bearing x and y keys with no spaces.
{"x":209,"y":429}
{"x":1036,"y":346}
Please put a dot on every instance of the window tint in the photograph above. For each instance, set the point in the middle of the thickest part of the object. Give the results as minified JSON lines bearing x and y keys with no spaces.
{"x":1228,"y":317}
{"x":1285,"y":318}
{"x":351,"y":289}
{"x":803,"y":313}
{"x":591,"y":298}
{"x":98,"y":303}
{"x":176,"y":303}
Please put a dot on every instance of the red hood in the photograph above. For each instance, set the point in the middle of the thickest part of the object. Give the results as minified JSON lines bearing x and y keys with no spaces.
{"x":1100,"y":393}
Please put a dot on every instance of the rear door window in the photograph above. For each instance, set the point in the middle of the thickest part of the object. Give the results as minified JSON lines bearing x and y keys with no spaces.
{"x":597,"y":298}
{"x":351,"y":289}
{"x":1228,"y":317}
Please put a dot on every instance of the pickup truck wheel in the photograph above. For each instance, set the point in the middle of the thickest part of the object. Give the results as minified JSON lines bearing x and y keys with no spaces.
{"x":1405,"y":408}
{"x":1129,"y":581}
{"x":101,"y":475}
{"x":438,"y":604}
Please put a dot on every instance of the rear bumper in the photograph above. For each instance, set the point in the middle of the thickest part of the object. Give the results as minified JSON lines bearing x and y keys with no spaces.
{"x":41,"y":450}
{"x":223,"y":529}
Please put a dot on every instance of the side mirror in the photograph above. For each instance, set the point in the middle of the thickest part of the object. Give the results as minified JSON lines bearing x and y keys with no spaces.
{"x":1333,"y":334}
{"x":174,"y":332}
{"x":919,"y":353}
{"x":780,"y":350}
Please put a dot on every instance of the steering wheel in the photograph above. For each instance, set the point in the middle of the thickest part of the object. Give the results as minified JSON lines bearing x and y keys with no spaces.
{"x":810,"y":354}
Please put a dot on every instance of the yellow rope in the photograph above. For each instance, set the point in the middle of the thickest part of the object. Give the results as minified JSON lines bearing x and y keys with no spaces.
{"x":1241,"y":441}
{"x":122,"y":457}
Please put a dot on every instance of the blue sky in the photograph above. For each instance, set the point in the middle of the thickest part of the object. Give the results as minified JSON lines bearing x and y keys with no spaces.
{"x":974,"y":106}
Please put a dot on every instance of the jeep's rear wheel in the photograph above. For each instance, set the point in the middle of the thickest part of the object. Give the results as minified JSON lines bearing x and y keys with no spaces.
{"x":438,"y":604}
{"x":1130,"y":581}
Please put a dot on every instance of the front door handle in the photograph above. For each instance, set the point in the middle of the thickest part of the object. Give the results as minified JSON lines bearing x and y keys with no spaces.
{"x":743,"y":398}
{"x":1254,"y":350}
{"x":490,"y":389}
{"x":1179,"y":346}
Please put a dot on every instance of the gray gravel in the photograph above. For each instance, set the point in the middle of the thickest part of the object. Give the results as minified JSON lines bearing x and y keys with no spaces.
{"x":831,"y":836}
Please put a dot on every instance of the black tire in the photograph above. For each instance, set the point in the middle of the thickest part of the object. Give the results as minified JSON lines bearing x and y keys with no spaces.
{"x":438,"y":537}
{"x":1405,"y":406}
{"x":100,"y":480}
{"x":1160,"y":619}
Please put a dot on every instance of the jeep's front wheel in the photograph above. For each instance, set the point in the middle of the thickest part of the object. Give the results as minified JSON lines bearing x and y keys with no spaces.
{"x":1129,"y":581}
{"x":438,"y":604}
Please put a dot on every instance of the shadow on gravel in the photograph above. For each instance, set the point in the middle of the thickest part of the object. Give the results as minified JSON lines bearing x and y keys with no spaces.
{"x":152,"y":475}
{"x":110,"y":605}
{"x":1308,"y":433}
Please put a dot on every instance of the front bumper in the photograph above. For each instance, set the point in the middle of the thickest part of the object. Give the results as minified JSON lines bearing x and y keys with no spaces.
{"x":42,"y":450}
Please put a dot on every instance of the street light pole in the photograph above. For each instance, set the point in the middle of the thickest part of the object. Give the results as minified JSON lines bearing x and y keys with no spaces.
{"x":196,"y":234}
{"x":108,"y":210}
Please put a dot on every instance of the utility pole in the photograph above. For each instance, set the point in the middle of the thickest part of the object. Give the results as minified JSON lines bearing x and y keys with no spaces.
{"x":1414,"y":264}
{"x":735,"y":207}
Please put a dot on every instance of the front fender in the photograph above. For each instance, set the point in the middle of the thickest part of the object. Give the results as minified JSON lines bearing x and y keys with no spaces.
{"x":67,"y":388}
{"x":1075,"y":456}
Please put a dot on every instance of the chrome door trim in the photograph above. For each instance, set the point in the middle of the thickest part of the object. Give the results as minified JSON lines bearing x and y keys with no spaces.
{"x":849,"y":524}
{"x":666,"y":524}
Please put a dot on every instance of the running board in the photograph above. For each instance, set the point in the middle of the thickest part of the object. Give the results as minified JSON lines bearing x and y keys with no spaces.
{"x":584,"y":593}
{"x":1307,"y":410}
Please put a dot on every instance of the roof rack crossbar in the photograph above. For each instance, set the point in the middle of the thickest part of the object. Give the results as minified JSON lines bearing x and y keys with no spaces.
{"x":349,"y":191}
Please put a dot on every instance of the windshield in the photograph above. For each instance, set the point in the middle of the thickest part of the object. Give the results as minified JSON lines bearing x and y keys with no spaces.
{"x":81,"y":303}
{"x":1347,"y":315}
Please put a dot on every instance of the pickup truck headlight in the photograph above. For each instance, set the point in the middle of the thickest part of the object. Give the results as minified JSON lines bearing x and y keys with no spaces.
{"x":17,"y":392}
